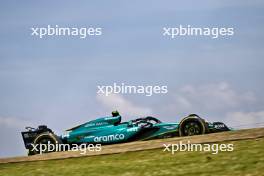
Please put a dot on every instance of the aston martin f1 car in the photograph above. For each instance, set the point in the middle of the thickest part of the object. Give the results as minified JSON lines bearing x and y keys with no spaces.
{"x":110,"y":130}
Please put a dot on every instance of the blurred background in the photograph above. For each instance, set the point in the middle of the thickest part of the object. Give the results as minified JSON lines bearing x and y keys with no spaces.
{"x":54,"y":80}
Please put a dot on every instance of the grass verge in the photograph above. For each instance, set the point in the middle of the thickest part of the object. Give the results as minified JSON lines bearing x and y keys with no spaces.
{"x":246,"y":159}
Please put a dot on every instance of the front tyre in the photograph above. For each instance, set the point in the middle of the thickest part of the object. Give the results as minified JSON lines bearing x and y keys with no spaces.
{"x":192,"y":125}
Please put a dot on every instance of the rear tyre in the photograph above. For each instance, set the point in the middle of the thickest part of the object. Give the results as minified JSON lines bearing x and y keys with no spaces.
{"x":192,"y":125}
{"x":44,"y":143}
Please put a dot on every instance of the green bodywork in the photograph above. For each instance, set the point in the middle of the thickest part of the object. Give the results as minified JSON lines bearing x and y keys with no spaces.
{"x":108,"y":130}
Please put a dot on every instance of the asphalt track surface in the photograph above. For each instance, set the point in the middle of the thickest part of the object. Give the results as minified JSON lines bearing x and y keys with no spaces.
{"x":145,"y":145}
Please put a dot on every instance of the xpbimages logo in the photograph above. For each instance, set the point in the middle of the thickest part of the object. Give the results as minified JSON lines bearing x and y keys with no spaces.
{"x":189,"y":147}
{"x":50,"y":147}
{"x":213,"y":32}
{"x":131,"y":89}
{"x":56,"y":30}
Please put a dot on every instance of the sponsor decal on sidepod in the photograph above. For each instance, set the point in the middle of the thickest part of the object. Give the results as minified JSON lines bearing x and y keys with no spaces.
{"x":112,"y":137}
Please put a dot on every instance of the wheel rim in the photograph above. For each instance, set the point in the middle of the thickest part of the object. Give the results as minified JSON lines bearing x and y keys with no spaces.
{"x":192,"y":128}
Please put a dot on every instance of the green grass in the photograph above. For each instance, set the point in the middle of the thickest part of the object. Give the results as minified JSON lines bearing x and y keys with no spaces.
{"x":246,"y":159}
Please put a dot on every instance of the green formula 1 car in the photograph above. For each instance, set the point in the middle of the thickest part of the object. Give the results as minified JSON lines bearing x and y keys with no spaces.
{"x":110,"y":130}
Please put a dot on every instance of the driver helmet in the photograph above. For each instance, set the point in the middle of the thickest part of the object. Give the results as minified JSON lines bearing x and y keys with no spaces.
{"x":115,"y":113}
